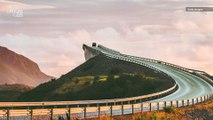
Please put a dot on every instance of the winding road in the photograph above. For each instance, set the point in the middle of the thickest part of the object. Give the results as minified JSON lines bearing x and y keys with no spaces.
{"x":190,"y":85}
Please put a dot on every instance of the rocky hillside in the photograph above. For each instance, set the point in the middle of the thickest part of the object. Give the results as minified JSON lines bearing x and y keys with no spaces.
{"x":15,"y":68}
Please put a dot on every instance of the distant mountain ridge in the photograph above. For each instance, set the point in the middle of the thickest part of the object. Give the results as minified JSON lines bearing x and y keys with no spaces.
{"x":16,"y":68}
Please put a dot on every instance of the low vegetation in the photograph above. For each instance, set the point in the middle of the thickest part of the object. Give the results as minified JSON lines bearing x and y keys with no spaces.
{"x":10,"y":92}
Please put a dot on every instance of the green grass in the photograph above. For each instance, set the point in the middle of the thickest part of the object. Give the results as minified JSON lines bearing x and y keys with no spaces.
{"x":101,"y":78}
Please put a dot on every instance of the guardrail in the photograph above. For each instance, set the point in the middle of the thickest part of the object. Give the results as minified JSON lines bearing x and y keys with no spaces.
{"x":134,"y":59}
{"x":210,"y":81}
{"x":151,"y":60}
{"x":109,"y":50}
{"x":24,"y":105}
{"x":70,"y":112}
{"x":117,"y":55}
{"x":168,"y":64}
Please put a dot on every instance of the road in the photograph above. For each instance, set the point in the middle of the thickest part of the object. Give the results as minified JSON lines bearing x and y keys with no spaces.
{"x":190,"y":86}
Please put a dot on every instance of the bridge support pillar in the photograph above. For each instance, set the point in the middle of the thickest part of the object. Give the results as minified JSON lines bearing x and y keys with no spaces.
{"x":31,"y":114}
{"x":158,"y":106}
{"x":193,"y":101}
{"x":8,"y":114}
{"x":99,"y":111}
{"x":122,"y":109}
{"x":150,"y":106}
{"x":51,"y":114}
{"x":85,"y":112}
{"x":188,"y":102}
{"x":110,"y":110}
{"x":141,"y":107}
{"x":132,"y":108}
{"x":69,"y":114}
{"x":177,"y":104}
{"x":182,"y":102}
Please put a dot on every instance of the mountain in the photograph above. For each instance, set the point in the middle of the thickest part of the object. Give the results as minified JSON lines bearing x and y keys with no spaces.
{"x":101,"y":77}
{"x":15,"y":68}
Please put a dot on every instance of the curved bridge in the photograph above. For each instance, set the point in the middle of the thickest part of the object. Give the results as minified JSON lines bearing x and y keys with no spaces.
{"x":191,"y":87}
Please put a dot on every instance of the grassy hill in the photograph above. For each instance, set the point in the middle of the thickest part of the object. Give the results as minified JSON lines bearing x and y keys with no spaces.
{"x":100,"y":78}
{"x":10,"y":92}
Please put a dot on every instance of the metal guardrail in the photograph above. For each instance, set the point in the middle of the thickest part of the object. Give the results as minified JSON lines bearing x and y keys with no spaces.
{"x":210,"y":81}
{"x":24,"y":105}
{"x":134,"y":59}
{"x":152,"y":60}
{"x":95,"y":111}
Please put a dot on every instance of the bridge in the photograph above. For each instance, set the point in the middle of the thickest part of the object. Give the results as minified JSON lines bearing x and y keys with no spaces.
{"x":192,"y":87}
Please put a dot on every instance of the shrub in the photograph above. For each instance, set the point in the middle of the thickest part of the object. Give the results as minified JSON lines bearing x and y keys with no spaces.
{"x":169,"y":109}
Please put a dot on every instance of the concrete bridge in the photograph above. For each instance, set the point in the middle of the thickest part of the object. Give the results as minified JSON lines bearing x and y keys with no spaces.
{"x":192,"y":87}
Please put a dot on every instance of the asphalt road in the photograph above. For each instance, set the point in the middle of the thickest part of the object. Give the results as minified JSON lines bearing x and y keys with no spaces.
{"x":190,"y":86}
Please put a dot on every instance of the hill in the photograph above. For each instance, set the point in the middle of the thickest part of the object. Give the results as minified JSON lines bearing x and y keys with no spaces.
{"x":15,"y":68}
{"x":101,"y":78}
{"x":10,"y":92}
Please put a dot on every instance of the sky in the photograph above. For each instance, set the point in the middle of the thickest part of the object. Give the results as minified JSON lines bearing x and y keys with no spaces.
{"x":51,"y":32}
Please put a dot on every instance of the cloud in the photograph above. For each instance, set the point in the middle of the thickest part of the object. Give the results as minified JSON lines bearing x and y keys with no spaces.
{"x":107,"y":34}
{"x":187,"y":27}
{"x":6,"y":6}
{"x":55,"y":31}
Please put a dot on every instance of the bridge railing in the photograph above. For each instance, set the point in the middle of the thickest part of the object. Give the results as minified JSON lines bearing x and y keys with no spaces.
{"x":168,"y":64}
{"x":138,"y":60}
{"x":151,"y":96}
{"x":53,"y":112}
{"x":108,"y":49}
{"x":152,"y":60}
